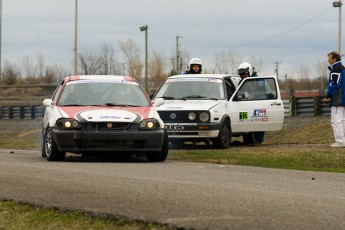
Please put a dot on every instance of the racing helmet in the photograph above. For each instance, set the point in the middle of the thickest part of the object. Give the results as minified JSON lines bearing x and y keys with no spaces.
{"x":244,"y":68}
{"x":195,"y":61}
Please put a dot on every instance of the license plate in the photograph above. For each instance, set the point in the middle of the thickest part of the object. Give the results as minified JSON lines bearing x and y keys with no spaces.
{"x":174,"y":127}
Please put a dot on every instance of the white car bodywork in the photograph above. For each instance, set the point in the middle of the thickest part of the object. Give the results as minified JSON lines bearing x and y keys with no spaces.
{"x":240,"y":105}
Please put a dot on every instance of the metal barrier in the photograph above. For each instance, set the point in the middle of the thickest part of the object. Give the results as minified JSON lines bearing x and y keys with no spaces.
{"x":295,"y":106}
{"x":308,"y":106}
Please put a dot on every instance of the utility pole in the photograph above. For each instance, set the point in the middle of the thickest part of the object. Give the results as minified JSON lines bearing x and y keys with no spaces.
{"x":338,"y":4}
{"x":76,"y":38}
{"x":276,"y":70}
{"x":144,"y":28}
{"x":178,"y":70}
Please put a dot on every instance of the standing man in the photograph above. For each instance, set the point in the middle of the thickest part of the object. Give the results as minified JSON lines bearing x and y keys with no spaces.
{"x":247,"y":70}
{"x":336,"y":98}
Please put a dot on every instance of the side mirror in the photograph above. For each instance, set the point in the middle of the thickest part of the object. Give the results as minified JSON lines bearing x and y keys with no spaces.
{"x":158,"y":101}
{"x":48,"y":102}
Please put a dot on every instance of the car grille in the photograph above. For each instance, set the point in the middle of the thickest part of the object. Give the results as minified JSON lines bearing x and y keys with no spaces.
{"x":108,"y":126}
{"x":114,"y":144}
{"x":178,"y":116}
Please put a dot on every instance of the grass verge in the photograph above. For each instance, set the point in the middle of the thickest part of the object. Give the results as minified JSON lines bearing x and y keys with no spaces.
{"x":24,"y":216}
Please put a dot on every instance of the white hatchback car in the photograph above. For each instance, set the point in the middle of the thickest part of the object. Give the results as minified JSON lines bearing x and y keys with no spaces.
{"x":215,"y":107}
{"x":98,"y":113}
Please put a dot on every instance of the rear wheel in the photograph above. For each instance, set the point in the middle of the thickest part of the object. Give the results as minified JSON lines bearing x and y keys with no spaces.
{"x":49,"y":149}
{"x":161,"y":155}
{"x":223,"y":140}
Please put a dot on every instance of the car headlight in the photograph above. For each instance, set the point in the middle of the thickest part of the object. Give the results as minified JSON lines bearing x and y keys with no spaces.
{"x":192,"y":116}
{"x":204,"y":117}
{"x":149,"y":124}
{"x":67,"y":123}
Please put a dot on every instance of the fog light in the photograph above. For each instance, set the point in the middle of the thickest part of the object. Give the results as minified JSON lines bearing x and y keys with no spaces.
{"x":75,"y":123}
{"x":150,"y":124}
{"x":142,"y":124}
{"x":68,"y":124}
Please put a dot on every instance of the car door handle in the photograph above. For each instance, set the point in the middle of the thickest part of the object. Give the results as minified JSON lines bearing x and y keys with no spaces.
{"x":276,"y":103}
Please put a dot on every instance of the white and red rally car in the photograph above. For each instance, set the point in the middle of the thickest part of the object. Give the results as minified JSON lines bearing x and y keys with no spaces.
{"x":97,"y":113}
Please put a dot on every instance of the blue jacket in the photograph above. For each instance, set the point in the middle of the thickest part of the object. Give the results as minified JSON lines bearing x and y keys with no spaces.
{"x":336,"y":84}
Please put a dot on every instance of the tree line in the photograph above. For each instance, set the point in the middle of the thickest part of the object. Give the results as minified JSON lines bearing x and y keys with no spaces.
{"x":105,"y":61}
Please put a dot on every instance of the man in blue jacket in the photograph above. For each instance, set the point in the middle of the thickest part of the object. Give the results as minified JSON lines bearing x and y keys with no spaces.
{"x":336,"y":98}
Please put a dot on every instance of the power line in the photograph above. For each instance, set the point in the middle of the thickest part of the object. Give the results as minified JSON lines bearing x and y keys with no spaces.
{"x":269,"y":38}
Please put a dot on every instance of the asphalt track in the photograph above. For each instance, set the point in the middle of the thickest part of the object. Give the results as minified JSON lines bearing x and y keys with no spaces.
{"x":187,"y":195}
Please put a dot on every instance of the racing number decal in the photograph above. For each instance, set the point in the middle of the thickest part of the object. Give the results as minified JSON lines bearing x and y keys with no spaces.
{"x":243,"y":116}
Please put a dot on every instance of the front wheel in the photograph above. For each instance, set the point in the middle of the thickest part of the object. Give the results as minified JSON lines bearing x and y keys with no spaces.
{"x":49,"y":149}
{"x":161,"y":155}
{"x":223,"y":140}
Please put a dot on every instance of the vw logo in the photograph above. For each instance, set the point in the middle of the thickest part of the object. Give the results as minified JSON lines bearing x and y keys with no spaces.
{"x":173,"y":115}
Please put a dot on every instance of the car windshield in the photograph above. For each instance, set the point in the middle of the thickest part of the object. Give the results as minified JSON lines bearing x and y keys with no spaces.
{"x":191,"y":88}
{"x":102,"y":93}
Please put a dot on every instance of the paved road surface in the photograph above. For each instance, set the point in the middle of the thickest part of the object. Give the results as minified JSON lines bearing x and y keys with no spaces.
{"x":189,"y":195}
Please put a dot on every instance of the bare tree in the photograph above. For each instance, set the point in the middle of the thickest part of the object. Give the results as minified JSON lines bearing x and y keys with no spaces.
{"x":11,"y":73}
{"x":133,"y":62}
{"x":321,"y":69}
{"x":40,"y":65}
{"x":107,"y":62}
{"x":29,"y":68}
{"x":256,"y":63}
{"x":227,"y":62}
{"x":157,"y":68}
{"x":88,"y":62}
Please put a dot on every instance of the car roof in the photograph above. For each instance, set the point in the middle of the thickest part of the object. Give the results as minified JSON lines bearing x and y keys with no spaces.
{"x":99,"y":77}
{"x":219,"y":76}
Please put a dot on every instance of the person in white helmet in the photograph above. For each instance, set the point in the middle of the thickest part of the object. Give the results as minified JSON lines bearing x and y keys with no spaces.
{"x":195,"y":66}
{"x":247,"y":70}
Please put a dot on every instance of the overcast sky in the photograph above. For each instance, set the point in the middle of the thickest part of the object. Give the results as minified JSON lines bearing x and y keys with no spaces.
{"x":294,"y":33}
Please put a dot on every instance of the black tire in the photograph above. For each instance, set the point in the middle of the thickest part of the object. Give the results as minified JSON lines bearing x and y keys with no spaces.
{"x":49,"y":149}
{"x":248,"y":138}
{"x":223,"y":140}
{"x":161,"y":155}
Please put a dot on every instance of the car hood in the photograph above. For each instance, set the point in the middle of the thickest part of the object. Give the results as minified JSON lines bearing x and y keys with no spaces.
{"x":187,"y":105}
{"x":105,"y":114}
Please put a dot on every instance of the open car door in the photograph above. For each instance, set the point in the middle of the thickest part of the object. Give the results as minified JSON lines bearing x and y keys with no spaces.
{"x":257,"y":105}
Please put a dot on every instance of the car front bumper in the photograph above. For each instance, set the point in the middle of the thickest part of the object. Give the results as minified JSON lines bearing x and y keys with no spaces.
{"x":79,"y":141}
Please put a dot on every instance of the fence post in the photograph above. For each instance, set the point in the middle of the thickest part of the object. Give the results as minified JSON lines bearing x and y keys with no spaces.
{"x":32,"y":110}
{"x":317,"y":106}
{"x":292,"y":106}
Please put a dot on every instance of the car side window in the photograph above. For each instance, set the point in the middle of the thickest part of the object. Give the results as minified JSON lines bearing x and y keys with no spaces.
{"x":257,"y":89}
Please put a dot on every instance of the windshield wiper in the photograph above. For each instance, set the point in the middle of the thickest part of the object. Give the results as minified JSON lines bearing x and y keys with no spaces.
{"x":193,"y":96}
{"x":123,"y":105}
{"x":167,"y":97}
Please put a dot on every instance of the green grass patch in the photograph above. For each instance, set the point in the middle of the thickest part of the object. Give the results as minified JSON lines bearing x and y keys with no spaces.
{"x":24,"y":216}
{"x":313,"y":158}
